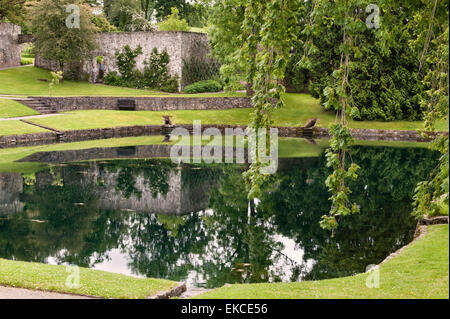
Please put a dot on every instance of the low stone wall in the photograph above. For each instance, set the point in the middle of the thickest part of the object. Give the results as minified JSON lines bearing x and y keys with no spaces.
{"x":381,"y":135}
{"x":28,"y":139}
{"x":167,"y":103}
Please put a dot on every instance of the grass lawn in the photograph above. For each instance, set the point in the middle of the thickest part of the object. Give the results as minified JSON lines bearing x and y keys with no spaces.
{"x":92,"y":282}
{"x":11,"y":108}
{"x":25,"y":81}
{"x":420,"y":271}
{"x":299,"y":108}
{"x":15,"y":127}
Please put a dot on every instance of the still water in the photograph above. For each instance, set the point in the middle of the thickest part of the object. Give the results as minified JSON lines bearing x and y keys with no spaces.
{"x":152,"y":218}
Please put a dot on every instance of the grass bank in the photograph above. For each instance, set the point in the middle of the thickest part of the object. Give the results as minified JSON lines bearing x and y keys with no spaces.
{"x":16,"y":127}
{"x":27,"y":81}
{"x":11,"y":108}
{"x":299,"y":108}
{"x":419,"y":271}
{"x":92,"y":282}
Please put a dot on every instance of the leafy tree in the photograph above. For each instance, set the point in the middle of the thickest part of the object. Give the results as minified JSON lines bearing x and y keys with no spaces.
{"x":102,"y":23}
{"x":13,"y":11}
{"x":54,"y":40}
{"x":383,"y":79}
{"x":173,"y":22}
{"x":129,"y":15}
{"x":432,"y":29}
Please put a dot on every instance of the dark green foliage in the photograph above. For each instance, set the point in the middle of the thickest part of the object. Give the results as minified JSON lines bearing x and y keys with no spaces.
{"x":196,"y":69}
{"x":126,"y":63}
{"x":112,"y":78}
{"x":12,"y":11}
{"x":102,"y":23}
{"x":384,"y":85}
{"x":155,"y":71}
{"x":171,"y":84}
{"x":155,"y":74}
{"x":203,"y":86}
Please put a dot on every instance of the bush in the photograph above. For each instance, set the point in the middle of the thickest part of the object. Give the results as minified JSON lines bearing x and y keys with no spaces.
{"x":155,"y":74}
{"x":173,"y":22}
{"x":126,"y":63}
{"x":155,"y":71}
{"x":171,"y":84}
{"x":112,"y":78}
{"x":203,"y":86}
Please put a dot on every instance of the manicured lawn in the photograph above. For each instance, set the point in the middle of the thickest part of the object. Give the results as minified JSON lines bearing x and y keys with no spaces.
{"x":299,"y":108}
{"x":92,"y":282}
{"x":420,"y":271}
{"x":25,"y":81}
{"x":15,"y":127}
{"x":11,"y":108}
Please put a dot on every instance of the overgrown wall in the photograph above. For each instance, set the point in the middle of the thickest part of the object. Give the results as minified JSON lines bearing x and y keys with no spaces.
{"x":10,"y":49}
{"x":179,"y":45}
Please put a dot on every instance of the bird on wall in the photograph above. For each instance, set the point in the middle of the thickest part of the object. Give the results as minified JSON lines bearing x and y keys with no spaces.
{"x":310,"y":123}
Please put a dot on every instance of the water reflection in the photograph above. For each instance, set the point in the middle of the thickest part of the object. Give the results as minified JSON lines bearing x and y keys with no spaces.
{"x":183,"y":222}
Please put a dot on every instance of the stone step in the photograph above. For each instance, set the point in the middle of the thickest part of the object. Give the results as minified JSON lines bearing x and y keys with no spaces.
{"x":37,"y":105}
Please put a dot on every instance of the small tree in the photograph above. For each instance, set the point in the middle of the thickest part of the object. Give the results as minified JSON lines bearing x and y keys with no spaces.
{"x":56,"y":79}
{"x":173,"y":22}
{"x":59,"y":38}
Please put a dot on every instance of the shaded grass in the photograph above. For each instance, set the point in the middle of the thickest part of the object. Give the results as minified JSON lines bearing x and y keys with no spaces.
{"x":11,"y":108}
{"x":419,"y":271}
{"x":92,"y":282}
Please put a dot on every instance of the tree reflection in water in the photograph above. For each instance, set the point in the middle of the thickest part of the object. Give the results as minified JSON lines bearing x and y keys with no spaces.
{"x":229,"y":240}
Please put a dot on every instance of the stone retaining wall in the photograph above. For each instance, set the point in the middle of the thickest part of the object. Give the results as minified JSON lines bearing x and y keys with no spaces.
{"x":61,"y":104}
{"x":380,"y":135}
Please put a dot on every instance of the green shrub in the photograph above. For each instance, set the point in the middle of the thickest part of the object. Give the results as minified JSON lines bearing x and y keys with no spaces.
{"x":126,"y":63}
{"x":173,"y":22}
{"x":155,"y":70}
{"x":155,"y":74}
{"x":171,"y":84}
{"x":112,"y":78}
{"x":203,"y":86}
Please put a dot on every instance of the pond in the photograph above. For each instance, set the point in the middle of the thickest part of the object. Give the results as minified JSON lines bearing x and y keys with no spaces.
{"x":152,"y":218}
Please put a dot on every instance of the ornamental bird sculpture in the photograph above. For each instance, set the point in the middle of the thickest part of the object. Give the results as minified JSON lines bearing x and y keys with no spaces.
{"x":310,"y":123}
{"x":167,"y":120}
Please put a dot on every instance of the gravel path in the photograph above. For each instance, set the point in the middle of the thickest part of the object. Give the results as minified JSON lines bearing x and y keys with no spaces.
{"x":20,"y":293}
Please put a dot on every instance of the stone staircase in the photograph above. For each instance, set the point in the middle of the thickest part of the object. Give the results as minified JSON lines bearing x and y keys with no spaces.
{"x":37,"y":105}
